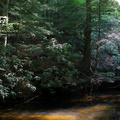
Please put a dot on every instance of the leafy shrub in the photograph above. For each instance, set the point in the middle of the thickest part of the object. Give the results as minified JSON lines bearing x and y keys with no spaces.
{"x":108,"y":54}
{"x":31,"y":67}
{"x":15,"y":80}
{"x":53,"y":64}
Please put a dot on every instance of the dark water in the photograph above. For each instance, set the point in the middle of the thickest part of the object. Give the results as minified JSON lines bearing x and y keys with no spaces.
{"x":103,"y":106}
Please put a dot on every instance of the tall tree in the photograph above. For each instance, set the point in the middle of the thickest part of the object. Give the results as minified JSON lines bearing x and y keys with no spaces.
{"x":86,"y":63}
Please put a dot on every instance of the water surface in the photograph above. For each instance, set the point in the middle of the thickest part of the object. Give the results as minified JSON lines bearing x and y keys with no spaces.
{"x":104,"y":106}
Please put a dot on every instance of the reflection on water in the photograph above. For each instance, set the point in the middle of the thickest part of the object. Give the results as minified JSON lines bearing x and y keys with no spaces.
{"x":97,"y":107}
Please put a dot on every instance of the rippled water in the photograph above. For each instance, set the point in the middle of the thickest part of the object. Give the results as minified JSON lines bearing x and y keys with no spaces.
{"x":94,"y":107}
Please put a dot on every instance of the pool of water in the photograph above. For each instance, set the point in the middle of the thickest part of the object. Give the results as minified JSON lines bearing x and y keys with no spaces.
{"x":103,"y":106}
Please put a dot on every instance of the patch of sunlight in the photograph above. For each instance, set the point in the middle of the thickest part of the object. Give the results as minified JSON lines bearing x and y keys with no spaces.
{"x":93,"y":109}
{"x":89,"y":113}
{"x":104,"y":98}
{"x":118,"y":1}
{"x":85,"y":99}
{"x":40,"y":117}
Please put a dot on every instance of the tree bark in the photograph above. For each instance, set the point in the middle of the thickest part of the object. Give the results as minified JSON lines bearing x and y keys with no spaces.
{"x":86,"y":63}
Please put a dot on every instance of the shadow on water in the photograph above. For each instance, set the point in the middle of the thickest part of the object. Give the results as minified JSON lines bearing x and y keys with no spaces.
{"x":90,"y":107}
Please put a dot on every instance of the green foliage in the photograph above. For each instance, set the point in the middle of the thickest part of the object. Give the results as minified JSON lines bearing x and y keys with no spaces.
{"x":55,"y":64}
{"x":109,"y":74}
{"x":116,"y":59}
{"x":15,"y":80}
{"x":50,"y":37}
{"x":31,"y":15}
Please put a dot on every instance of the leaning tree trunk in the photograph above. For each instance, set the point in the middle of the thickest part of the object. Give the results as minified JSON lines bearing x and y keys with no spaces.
{"x":86,"y":63}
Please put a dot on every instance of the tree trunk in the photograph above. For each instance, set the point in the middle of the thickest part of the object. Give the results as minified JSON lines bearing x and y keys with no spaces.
{"x":87,"y":34}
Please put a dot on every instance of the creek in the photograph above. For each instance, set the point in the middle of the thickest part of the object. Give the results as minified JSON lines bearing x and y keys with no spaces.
{"x":102,"y":106}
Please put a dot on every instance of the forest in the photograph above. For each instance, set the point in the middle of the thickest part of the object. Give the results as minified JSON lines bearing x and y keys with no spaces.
{"x":58,"y":45}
